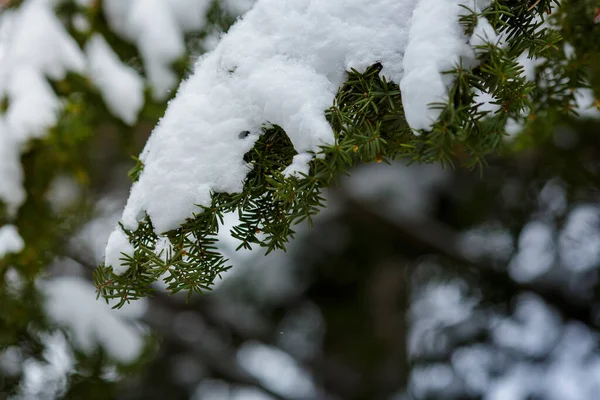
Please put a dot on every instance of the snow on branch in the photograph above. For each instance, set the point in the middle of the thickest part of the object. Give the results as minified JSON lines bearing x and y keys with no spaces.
{"x":282,"y":64}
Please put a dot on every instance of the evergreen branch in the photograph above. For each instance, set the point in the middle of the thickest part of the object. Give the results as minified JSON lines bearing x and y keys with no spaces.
{"x":368,"y":122}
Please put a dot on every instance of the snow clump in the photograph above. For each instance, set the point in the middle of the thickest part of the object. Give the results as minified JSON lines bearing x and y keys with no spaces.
{"x":283,"y":64}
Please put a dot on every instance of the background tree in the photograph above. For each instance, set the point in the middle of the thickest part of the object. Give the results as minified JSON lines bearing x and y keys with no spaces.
{"x":416,"y":282}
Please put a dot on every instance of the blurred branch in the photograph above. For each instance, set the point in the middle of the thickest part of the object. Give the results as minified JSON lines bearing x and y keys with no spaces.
{"x":427,"y":236}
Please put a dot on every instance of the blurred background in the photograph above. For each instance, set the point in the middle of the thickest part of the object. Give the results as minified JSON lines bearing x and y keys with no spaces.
{"x":416,"y":282}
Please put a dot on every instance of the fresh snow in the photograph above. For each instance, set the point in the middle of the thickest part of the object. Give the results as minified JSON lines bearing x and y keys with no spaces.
{"x":484,"y":33}
{"x":120,"y":85}
{"x":282,"y":63}
{"x":117,"y":244}
{"x":436,"y":44}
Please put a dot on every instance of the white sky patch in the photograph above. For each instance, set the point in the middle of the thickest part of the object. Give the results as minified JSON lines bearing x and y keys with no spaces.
{"x":71,"y":303}
{"x":120,"y":85}
{"x":10,"y":240}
